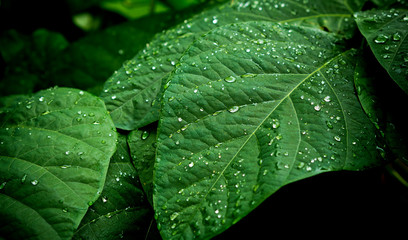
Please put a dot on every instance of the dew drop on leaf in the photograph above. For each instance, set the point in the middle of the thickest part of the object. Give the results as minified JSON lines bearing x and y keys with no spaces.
{"x":396,"y":36}
{"x":233,"y":109}
{"x":230,"y":79}
{"x":145,"y":135}
{"x":174,"y":216}
{"x":381,"y":38}
{"x":34,"y":182}
{"x":23,"y":178}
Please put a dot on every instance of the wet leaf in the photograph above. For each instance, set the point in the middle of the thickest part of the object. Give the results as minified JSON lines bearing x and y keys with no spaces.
{"x":130,"y":94}
{"x":55,"y":150}
{"x":275,"y":104}
{"x":386,"y":32}
{"x":122,"y":209}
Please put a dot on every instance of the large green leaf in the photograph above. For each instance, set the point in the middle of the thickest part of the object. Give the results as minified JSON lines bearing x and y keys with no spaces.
{"x":252,"y":107}
{"x":130,"y":94}
{"x":386,"y":32}
{"x":55,"y":149}
{"x":122,"y":210}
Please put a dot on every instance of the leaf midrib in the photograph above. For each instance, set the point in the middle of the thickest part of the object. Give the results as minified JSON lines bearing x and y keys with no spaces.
{"x":268,"y":115}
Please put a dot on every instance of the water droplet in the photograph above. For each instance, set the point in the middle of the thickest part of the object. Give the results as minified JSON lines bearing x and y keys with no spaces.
{"x":249,"y":75}
{"x":3,"y":185}
{"x":327,"y":99}
{"x":233,"y":109}
{"x":41,"y":99}
{"x":81,"y":93}
{"x":65,"y":166}
{"x":230,"y":79}
{"x":275,"y":124}
{"x":255,"y":188}
{"x":179,"y":119}
{"x":174,"y":216}
{"x":396,"y":36}
{"x":145,"y":135}
{"x":191,"y":164}
{"x":34,"y":182}
{"x":317,"y":108}
{"x":67,"y":153}
{"x":381,"y":38}
{"x":337,"y":138}
{"x":329,"y":124}
{"x":23,"y":178}
{"x":113,"y":97}
{"x":104,"y":199}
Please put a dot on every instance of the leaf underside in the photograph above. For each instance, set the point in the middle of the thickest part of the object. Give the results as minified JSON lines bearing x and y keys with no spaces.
{"x":131,"y":93}
{"x":55,"y":149}
{"x":252,"y":107}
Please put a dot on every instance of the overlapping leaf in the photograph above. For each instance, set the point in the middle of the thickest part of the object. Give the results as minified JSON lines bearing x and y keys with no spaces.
{"x":252,"y":107}
{"x":142,"y":144}
{"x":130,"y":94}
{"x":122,"y":209}
{"x":386,"y":33}
{"x":55,"y":149}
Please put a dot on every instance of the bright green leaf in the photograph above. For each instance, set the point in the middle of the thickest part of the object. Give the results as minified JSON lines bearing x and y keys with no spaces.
{"x":386,"y":33}
{"x":130,"y":94}
{"x":250,"y":108}
{"x":122,"y":209}
{"x":55,"y":150}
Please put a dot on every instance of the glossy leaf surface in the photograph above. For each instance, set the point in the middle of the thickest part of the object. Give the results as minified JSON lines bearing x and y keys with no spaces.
{"x":252,"y":107}
{"x":130,"y":94}
{"x":55,"y":149}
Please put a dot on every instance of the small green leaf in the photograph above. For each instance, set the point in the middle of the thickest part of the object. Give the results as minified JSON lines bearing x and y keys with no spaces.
{"x":130,"y":94}
{"x":275,"y":104}
{"x":142,"y":144}
{"x":122,"y":209}
{"x":386,"y":33}
{"x":55,"y":150}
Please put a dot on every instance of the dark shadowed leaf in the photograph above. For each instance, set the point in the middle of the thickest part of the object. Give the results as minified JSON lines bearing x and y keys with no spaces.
{"x":55,"y":150}
{"x":122,"y":209}
{"x":386,"y":32}
{"x":142,"y":144}
{"x":250,"y":108}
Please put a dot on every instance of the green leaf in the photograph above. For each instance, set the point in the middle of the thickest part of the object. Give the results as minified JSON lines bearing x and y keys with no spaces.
{"x":28,"y":59}
{"x":88,"y":62}
{"x":275,"y":104}
{"x":122,"y":210}
{"x":378,"y":94}
{"x":130,"y":94}
{"x":55,"y":150}
{"x":142,"y":144}
{"x":386,"y":32}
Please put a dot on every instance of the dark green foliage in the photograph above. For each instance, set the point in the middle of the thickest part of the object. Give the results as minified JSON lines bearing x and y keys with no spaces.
{"x":190,"y":125}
